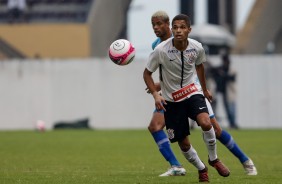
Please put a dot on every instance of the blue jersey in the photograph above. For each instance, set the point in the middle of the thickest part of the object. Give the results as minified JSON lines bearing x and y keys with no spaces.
{"x":156,"y":43}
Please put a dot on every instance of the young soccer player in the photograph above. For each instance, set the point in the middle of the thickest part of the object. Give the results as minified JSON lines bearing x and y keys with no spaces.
{"x":160,"y":23}
{"x":182,"y":98}
{"x":161,"y":27}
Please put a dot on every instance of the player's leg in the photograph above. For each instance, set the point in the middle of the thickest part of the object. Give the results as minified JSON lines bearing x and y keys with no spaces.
{"x":226,"y":139}
{"x":156,"y":128}
{"x":177,"y":125}
{"x":200,"y":114}
{"x":192,"y":156}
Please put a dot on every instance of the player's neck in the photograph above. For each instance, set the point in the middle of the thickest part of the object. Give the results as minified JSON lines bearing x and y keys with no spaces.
{"x":180,"y":45}
{"x":167,"y":36}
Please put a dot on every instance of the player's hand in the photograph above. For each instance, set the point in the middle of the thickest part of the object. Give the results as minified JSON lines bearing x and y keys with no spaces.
{"x":208,"y":95}
{"x":159,"y":101}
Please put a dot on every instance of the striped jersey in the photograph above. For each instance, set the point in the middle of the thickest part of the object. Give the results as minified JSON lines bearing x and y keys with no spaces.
{"x":178,"y":68}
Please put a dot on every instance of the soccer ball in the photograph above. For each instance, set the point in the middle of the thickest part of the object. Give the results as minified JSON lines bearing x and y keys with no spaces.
{"x":121,"y":52}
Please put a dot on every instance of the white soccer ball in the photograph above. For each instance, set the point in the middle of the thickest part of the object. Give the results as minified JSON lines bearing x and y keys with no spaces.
{"x":122,"y":52}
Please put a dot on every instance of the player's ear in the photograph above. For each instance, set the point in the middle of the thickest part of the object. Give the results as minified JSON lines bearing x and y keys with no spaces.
{"x":189,"y":30}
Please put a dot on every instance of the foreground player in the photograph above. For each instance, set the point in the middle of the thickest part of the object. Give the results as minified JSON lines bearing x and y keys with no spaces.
{"x":160,"y":23}
{"x":181,"y":60}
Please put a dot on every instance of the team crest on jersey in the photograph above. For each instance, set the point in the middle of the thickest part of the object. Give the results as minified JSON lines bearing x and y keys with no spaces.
{"x":170,"y":133}
{"x":191,"y":55}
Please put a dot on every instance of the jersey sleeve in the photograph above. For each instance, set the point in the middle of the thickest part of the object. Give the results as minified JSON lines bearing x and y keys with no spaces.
{"x":153,"y":62}
{"x":201,"y":56}
{"x":156,"y":43}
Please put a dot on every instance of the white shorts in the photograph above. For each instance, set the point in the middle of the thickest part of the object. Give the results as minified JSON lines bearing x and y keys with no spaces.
{"x":209,"y":108}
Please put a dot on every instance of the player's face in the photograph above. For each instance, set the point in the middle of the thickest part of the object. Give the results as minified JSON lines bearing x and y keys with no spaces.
{"x":180,"y":30}
{"x":160,"y":27}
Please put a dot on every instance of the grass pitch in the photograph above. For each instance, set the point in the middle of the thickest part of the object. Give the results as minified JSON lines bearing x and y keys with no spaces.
{"x":126,"y":157}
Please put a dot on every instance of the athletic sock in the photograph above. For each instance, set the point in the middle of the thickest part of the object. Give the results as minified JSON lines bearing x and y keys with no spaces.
{"x":164,"y":147}
{"x":210,"y":140}
{"x":192,"y":156}
{"x":227,"y":140}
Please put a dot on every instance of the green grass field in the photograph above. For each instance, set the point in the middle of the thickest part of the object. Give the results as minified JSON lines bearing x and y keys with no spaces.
{"x":125,"y":157}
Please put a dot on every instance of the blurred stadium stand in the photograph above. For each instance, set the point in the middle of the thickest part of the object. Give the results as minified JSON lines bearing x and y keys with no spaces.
{"x":85,"y":28}
{"x":112,"y":27}
{"x":9,"y":51}
{"x":262,"y":33}
{"x":63,"y":28}
{"x":51,"y":11}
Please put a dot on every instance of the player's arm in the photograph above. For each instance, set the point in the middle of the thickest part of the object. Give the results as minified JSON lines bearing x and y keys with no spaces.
{"x":202,"y":78}
{"x":159,"y":100}
{"x":157,"y":85}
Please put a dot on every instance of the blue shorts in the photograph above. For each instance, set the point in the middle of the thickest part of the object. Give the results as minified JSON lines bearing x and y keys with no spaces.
{"x":159,"y":111}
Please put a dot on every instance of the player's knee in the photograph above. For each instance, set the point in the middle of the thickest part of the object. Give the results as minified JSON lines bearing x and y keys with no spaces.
{"x":155,"y":126}
{"x":151,"y":129}
{"x":205,"y":124}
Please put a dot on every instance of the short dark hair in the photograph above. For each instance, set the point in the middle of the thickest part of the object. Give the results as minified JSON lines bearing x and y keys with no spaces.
{"x":184,"y":17}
